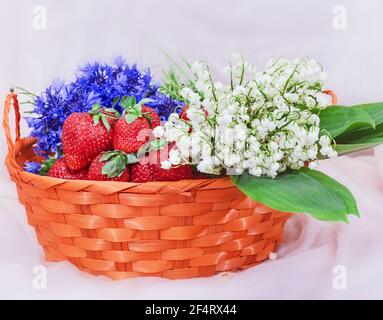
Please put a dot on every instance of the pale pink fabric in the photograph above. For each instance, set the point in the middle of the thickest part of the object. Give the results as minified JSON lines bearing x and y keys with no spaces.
{"x":210,"y":30}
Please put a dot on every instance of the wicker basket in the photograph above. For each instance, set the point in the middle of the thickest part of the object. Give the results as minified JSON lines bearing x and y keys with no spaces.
{"x":183,"y":229}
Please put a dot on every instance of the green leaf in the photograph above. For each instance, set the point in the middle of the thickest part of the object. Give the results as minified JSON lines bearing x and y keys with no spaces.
{"x":115,"y":163}
{"x":133,"y":101}
{"x":96,"y":119}
{"x":109,"y":167}
{"x":96,"y":107}
{"x":112,"y":110}
{"x":131,"y":158}
{"x":46,"y":165}
{"x":368,"y":141}
{"x":105,"y":122}
{"x":120,"y":167}
{"x":143,"y":149}
{"x":353,"y":147}
{"x":130,"y":117}
{"x":144,"y":101}
{"x":108,"y":155}
{"x":337,"y":120}
{"x":156,"y":144}
{"x":148,"y":118}
{"x":115,"y":101}
{"x":305,"y":191}
{"x":375,"y":110}
{"x":126,"y":102}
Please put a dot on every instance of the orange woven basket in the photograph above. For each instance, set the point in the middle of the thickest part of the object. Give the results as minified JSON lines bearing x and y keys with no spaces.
{"x":182,"y":229}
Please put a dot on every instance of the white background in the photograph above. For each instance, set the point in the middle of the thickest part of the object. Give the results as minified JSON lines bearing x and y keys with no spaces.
{"x":80,"y":31}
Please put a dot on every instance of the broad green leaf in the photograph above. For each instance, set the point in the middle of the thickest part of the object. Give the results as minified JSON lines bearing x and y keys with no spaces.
{"x":353,"y":147}
{"x":375,"y":110}
{"x":337,"y":120}
{"x":366,"y":142}
{"x":304,"y":191}
{"x":341,"y":190}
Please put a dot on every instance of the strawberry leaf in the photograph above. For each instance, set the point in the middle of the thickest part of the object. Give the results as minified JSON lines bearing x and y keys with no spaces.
{"x":116,"y":162}
{"x":125,"y":102}
{"x":95,"y":107}
{"x":105,"y":122}
{"x":130,"y":117}
{"x":131,"y":158}
{"x":115,"y":101}
{"x":144,"y":101}
{"x":133,"y":101}
{"x":96,"y":119}
{"x":153,"y":145}
{"x":110,"y":169}
{"x":156,"y":144}
{"x":107,"y":155}
{"x":149,"y":119}
{"x":112,"y":110}
{"x":143,"y":149}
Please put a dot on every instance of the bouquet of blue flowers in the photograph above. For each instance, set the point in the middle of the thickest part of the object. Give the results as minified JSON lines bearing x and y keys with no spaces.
{"x":95,"y":83}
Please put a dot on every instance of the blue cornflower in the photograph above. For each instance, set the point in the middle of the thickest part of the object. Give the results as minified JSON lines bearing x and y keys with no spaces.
{"x":32,"y":167}
{"x":165,"y":105}
{"x":94,"y":83}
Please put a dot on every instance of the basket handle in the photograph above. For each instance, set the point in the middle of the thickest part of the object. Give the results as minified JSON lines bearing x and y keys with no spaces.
{"x":7,"y":107}
{"x":334,"y":98}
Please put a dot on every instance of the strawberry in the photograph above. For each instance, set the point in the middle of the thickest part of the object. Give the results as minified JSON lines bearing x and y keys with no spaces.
{"x":137,"y":118}
{"x":60,"y":170}
{"x":84,"y":137}
{"x":149,"y":169}
{"x":181,"y":172}
{"x":112,"y":166}
{"x":111,"y":114}
{"x":184,"y":115}
{"x":142,"y":172}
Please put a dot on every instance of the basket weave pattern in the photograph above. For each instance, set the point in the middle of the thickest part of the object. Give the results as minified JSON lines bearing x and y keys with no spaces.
{"x":183,"y":229}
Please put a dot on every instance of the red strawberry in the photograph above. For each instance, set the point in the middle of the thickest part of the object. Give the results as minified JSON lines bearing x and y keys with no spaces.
{"x":184,"y":115}
{"x":84,"y":137}
{"x":111,"y":114}
{"x":112,"y":166}
{"x":142,"y":172}
{"x":129,"y":133}
{"x":149,"y":169}
{"x":173,"y":174}
{"x":59,"y":169}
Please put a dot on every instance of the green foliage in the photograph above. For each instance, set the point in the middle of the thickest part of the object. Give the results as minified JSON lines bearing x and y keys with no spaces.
{"x":46,"y":165}
{"x":307,"y":191}
{"x":354,"y":128}
{"x":116,"y":162}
